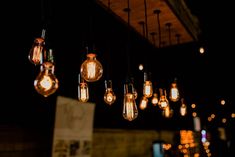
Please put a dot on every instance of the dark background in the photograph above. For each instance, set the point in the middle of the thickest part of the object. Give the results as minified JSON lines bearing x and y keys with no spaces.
{"x":204,"y":79}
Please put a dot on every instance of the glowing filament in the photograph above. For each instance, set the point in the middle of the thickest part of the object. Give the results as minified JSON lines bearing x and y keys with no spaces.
{"x":91,"y":70}
{"x":46,"y":82}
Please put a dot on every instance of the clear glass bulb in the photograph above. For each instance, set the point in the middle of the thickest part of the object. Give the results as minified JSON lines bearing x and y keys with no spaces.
{"x":91,"y":69}
{"x":154,"y":99}
{"x":163,"y":102}
{"x":183,"y":108}
{"x":167,"y":112}
{"x":83,"y":92}
{"x":148,"y":89}
{"x":174,"y":92}
{"x":35,"y":53}
{"x":147,"y":86}
{"x":46,"y":82}
{"x":130,"y":110}
{"x":109,"y":96}
{"x":143,"y":103}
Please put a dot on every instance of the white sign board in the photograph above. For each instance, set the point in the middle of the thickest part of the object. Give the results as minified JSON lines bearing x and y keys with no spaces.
{"x":73,"y":128}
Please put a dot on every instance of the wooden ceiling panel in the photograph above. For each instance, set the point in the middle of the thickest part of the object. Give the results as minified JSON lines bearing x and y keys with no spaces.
{"x":184,"y":27}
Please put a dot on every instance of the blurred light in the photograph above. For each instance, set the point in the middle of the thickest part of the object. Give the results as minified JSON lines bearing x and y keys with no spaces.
{"x":174,"y":92}
{"x":193,"y":105}
{"x":222,"y":102}
{"x":233,"y":115}
{"x":194,"y":114}
{"x":141,"y":67}
{"x":224,"y":120}
{"x":154,"y":99}
{"x":143,"y":103}
{"x":183,"y":108}
{"x":201,"y":50}
{"x":209,"y":119}
{"x":163,"y":102}
{"x":213,"y":115}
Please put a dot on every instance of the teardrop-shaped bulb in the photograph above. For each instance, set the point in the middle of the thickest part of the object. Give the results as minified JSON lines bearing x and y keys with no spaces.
{"x":38,"y":47}
{"x":163,"y":102}
{"x":46,"y":82}
{"x":83,"y":92}
{"x":130,"y":110}
{"x":147,"y":89}
{"x":35,"y":53}
{"x":143,"y":103}
{"x":91,"y":69}
{"x":154,"y":99}
{"x":167,"y":112}
{"x":174,"y":92}
{"x":109,"y":96}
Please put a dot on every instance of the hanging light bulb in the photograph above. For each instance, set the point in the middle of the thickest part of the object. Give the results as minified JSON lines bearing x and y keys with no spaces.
{"x":183,"y":108}
{"x":163,"y":102}
{"x":109,"y":96}
{"x":83,"y":90}
{"x":174,"y":92}
{"x":91,"y":69}
{"x":130,"y":111}
{"x":154,"y":99}
{"x":143,"y":103}
{"x":46,"y":82}
{"x":37,"y":49}
{"x":167,"y":112}
{"x":147,"y":87}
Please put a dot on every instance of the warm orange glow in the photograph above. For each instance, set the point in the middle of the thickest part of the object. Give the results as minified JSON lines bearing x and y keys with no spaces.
{"x":46,"y":83}
{"x":193,"y":105}
{"x":174,"y":92}
{"x":143,"y":103}
{"x":222,"y":102}
{"x":130,"y":110}
{"x":91,"y":69}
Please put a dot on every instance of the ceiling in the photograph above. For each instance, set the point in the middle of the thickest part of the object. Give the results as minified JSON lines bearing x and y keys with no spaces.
{"x":203,"y":78}
{"x":174,"y":25}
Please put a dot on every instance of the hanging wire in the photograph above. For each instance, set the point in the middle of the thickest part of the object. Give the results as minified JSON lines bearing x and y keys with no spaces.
{"x":108,"y":73}
{"x":157,"y":11}
{"x":146,"y":19}
{"x":128,"y":37}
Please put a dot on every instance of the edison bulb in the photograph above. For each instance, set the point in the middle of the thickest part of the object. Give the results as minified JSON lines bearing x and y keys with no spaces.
{"x":83,"y":92}
{"x":109,"y":96}
{"x":91,"y":69}
{"x":36,"y":51}
{"x":46,"y":82}
{"x":143,"y":103}
{"x":130,"y":110}
{"x":163,"y":102}
{"x":155,"y":99}
{"x":148,"y":89}
{"x":174,"y":92}
{"x":167,"y":112}
{"x":183,"y":110}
